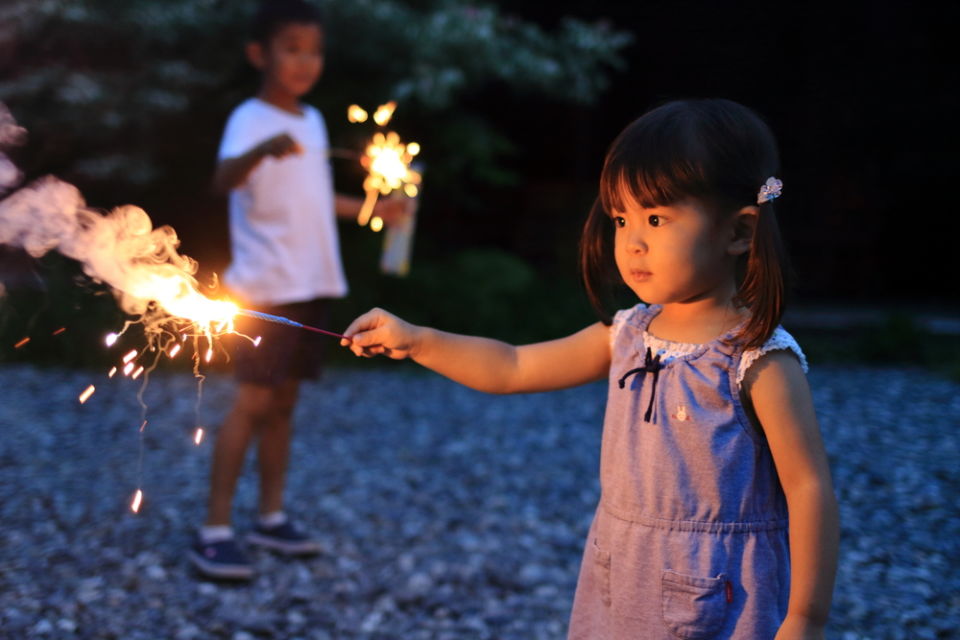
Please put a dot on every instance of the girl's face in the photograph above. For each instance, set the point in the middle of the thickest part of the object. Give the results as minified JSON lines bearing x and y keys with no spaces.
{"x":293,"y":60}
{"x":674,"y":254}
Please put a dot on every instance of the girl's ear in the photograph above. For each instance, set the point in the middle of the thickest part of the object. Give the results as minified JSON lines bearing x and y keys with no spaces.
{"x":744,"y":224}
{"x":256,"y":55}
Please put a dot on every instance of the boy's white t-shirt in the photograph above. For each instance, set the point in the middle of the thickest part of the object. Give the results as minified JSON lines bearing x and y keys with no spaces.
{"x":283,"y":232}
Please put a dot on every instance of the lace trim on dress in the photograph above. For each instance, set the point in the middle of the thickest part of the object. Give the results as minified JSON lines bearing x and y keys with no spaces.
{"x":668,"y":350}
{"x":779,"y":341}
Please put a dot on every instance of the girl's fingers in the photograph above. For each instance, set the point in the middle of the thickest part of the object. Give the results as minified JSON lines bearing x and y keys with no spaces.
{"x":370,"y":320}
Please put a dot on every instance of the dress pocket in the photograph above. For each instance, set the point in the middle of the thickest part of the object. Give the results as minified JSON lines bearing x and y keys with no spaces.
{"x":693,"y":608}
{"x":601,"y":572}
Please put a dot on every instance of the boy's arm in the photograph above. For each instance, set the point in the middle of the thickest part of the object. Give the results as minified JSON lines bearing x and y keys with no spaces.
{"x":233,"y":172}
{"x":484,"y":364}
{"x":390,"y":209}
{"x":781,"y":399}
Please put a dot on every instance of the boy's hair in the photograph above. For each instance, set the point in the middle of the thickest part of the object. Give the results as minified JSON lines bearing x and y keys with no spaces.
{"x":272,"y":15}
{"x":715,"y":151}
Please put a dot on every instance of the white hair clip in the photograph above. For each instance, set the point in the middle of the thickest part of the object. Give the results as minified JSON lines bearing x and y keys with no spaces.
{"x":770,"y":191}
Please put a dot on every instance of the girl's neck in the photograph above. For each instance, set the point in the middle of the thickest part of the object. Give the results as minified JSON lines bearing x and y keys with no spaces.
{"x":281,"y":100}
{"x":696,"y":322}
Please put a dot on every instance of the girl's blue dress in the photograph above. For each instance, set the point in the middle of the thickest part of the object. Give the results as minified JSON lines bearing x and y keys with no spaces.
{"x":690,"y":537}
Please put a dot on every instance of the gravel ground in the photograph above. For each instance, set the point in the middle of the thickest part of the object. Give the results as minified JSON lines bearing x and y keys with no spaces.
{"x":444,"y":513}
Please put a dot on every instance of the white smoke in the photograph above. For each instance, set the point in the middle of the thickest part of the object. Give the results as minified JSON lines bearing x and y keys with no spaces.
{"x":120,"y":248}
{"x":11,"y":134}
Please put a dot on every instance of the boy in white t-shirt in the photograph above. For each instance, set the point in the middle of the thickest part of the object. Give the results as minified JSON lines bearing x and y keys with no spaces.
{"x":273,"y":161}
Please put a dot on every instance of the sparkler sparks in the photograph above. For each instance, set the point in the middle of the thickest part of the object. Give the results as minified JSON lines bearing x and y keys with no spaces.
{"x":198,"y":435}
{"x":137,"y":501}
{"x":86,"y":394}
{"x":387,"y":161}
{"x":21,"y":343}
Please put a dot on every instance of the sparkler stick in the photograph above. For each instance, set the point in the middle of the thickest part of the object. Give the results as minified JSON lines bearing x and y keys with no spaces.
{"x":288,"y":322}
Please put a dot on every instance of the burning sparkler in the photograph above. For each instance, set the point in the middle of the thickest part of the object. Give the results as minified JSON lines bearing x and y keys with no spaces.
{"x":387,"y":161}
{"x":153,"y":283}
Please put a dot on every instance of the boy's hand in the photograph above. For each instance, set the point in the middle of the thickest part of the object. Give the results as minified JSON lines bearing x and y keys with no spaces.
{"x":377,"y":332}
{"x":394,"y":208}
{"x":279,"y":146}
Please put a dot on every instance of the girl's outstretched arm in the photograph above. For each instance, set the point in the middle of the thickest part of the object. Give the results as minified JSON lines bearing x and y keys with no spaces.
{"x":484,"y":364}
{"x":780,"y":397}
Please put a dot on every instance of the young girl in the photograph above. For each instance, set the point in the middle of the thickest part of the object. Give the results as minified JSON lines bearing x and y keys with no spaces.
{"x":710,"y":440}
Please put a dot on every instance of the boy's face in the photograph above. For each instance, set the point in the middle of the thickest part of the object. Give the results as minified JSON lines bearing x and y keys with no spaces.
{"x":292,"y":61}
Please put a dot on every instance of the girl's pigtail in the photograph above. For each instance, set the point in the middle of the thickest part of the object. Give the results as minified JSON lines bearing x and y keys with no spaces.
{"x":763,"y":288}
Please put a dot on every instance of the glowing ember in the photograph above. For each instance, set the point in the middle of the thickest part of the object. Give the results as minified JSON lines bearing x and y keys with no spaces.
{"x":136,"y":374}
{"x":87,"y":393}
{"x":113,"y":372}
{"x":209,"y":356}
{"x":256,"y":341}
{"x":130,"y":356}
{"x":111,"y":339}
{"x":137,"y":500}
{"x":198,"y":435}
{"x":21,"y":343}
{"x":356,"y":113}
{"x":175,"y":350}
{"x":128,"y":368}
{"x":59,"y":331}
{"x":384,"y":112}
{"x":376,"y":223}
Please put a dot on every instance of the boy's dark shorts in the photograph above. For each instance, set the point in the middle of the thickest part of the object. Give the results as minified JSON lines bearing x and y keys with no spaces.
{"x":285,"y":352}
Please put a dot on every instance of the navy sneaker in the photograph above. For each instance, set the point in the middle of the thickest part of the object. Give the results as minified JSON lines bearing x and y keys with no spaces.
{"x":284,"y":538}
{"x":222,"y":559}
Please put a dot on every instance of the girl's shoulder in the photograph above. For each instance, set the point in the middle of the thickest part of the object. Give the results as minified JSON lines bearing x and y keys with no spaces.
{"x":780,"y":340}
{"x":633,"y":317}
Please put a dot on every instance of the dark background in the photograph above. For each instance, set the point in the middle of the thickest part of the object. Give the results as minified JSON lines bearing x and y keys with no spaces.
{"x":862,"y":97}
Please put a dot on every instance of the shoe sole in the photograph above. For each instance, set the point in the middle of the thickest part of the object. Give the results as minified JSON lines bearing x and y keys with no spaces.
{"x":227,"y":572}
{"x":305,"y":548}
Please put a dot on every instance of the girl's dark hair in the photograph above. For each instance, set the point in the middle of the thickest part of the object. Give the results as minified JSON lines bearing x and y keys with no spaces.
{"x":715,"y":151}
{"x":272,"y":15}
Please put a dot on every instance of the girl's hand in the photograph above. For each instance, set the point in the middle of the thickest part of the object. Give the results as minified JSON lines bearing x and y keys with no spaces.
{"x":799,"y":628}
{"x":377,"y":332}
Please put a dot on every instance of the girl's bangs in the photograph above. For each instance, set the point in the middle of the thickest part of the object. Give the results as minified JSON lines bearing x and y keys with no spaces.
{"x":648,"y":185}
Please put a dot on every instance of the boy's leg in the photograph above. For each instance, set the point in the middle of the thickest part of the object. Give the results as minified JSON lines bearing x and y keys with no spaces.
{"x":274,"y":531}
{"x":215,"y":553}
{"x":251,"y":409}
{"x":274,"y":446}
